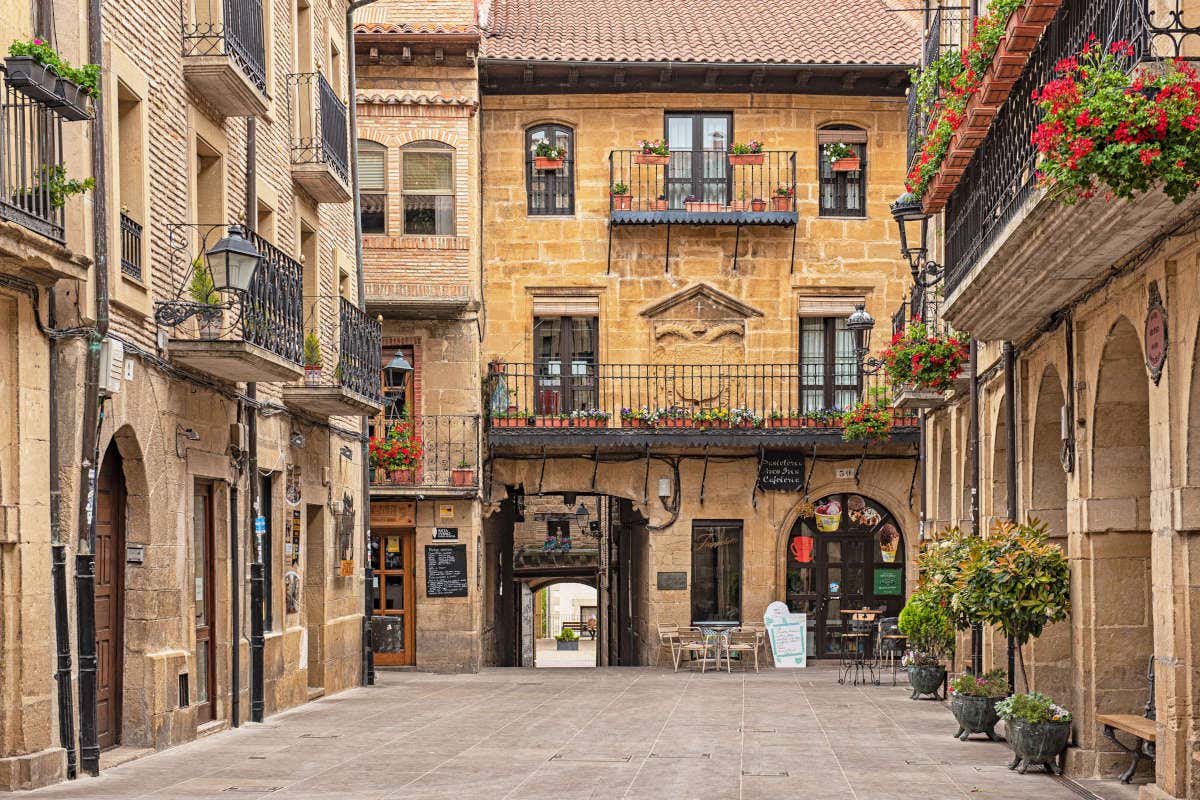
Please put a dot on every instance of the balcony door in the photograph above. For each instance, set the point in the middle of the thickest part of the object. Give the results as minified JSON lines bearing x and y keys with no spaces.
{"x":699,"y":165}
{"x":829,"y":375}
{"x":565,"y":367}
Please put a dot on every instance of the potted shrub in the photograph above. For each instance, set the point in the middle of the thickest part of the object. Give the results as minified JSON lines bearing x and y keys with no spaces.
{"x":748,"y":154}
{"x":550,"y":421}
{"x":1037,"y":730}
{"x":204,"y":293}
{"x":589,"y":418}
{"x":636,"y":417}
{"x":567,"y":639}
{"x":622,"y":201}
{"x":930,"y":642}
{"x":758,"y":204}
{"x":548,"y":157}
{"x":312,"y":359}
{"x":35,"y":69}
{"x":652,"y":151}
{"x":740,"y":204}
{"x":512,"y":418}
{"x":744,"y":418}
{"x":973,"y":702}
{"x":842,"y":157}
{"x":781,"y":200}
{"x":866,"y":423}
{"x":661,"y":204}
{"x":463,"y":474}
{"x":922,"y":364}
{"x":405,"y":450}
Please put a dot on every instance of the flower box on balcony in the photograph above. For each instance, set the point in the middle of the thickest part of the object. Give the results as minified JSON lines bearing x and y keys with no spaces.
{"x":677,"y":422}
{"x":462,"y":476}
{"x":403,"y":476}
{"x":589,"y":422}
{"x":550,"y":421}
{"x":634,"y":423}
{"x":909,"y":397}
{"x":515,"y":421}
{"x":747,"y":159}
{"x":32,"y":78}
{"x":781,"y":203}
{"x":547,"y":164}
{"x":787,"y":422}
{"x":697,"y":205}
{"x":651,"y":159}
{"x":847,"y":164}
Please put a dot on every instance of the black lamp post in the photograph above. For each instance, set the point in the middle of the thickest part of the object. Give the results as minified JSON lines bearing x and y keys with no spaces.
{"x":914,"y":240}
{"x":394,"y":374}
{"x":863,"y":323}
{"x":232,"y":262}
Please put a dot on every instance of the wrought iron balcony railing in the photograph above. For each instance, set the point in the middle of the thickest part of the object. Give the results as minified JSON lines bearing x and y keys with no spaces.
{"x":1002,"y":175}
{"x":131,"y":247}
{"x":703,"y":186}
{"x":319,"y":123}
{"x":31,"y":165}
{"x":582,"y":394}
{"x":272,"y":309}
{"x":450,"y":453}
{"x":359,"y":364}
{"x":231,"y":28}
{"x":947,"y":28}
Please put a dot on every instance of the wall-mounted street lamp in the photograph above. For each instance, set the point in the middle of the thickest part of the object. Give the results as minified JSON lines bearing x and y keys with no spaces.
{"x":914,"y":240}
{"x":863,"y":323}
{"x":231,"y":262}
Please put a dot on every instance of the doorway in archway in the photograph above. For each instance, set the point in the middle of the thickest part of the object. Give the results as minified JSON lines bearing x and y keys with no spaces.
{"x":848,"y":555}
{"x":565,"y":625}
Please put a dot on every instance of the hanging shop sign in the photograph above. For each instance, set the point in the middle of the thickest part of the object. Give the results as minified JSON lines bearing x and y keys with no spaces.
{"x":393,"y":515}
{"x":788,"y":633}
{"x":1156,"y":334}
{"x":781,"y":471}
{"x":445,"y":570}
{"x":445,"y":534}
{"x":888,"y":582}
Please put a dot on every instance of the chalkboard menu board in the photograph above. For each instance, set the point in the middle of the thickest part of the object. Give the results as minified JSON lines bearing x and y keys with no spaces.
{"x":445,"y":570}
{"x":781,"y":472}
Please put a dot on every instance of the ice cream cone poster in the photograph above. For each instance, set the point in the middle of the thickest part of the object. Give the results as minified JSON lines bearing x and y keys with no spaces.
{"x":889,"y":542}
{"x":860,"y":513}
{"x":829,"y":515}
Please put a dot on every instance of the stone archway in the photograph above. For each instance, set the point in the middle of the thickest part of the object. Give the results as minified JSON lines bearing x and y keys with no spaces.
{"x":1114,"y":610}
{"x":1049,"y":658}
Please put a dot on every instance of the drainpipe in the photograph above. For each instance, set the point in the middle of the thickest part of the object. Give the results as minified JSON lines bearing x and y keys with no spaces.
{"x":85,"y":553}
{"x":58,"y":558}
{"x":973,"y":483}
{"x":256,"y":604}
{"x":368,"y":654}
{"x":1010,"y":470}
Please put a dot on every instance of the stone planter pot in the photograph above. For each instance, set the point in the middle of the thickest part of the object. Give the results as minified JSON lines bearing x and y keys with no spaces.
{"x":926,"y":680}
{"x":1037,"y":744}
{"x":569,"y":644}
{"x":975,"y":715}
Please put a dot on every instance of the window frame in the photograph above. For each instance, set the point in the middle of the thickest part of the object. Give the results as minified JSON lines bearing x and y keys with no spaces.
{"x":565,"y":385}
{"x":702,"y":524}
{"x":841,"y":180}
{"x":439,"y":148}
{"x":551,"y":179}
{"x":696,"y":182}
{"x":370,"y":145}
{"x":827,"y":385}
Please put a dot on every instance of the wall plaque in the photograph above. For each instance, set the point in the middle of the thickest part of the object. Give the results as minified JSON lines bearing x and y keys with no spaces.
{"x":445,"y":570}
{"x":384,"y":515}
{"x":135,"y":554}
{"x":669,"y":581}
{"x":888,"y":582}
{"x":445,"y":534}
{"x":781,"y":471}
{"x":1156,"y":334}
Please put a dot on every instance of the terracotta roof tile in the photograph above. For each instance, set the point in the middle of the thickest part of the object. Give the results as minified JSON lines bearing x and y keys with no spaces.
{"x":416,"y":30}
{"x":728,"y":31}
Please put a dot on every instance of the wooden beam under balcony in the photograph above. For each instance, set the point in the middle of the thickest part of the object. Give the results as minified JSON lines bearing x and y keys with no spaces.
{"x":233,"y":360}
{"x":324,"y":402}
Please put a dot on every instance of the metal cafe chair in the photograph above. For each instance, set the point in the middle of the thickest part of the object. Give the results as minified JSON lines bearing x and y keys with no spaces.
{"x":693,"y":641}
{"x":742,"y":640}
{"x":668,"y":638}
{"x":889,"y":645}
{"x":858,"y":648}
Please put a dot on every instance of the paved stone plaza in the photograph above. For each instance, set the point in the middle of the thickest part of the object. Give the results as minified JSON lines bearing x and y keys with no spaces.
{"x":588,"y":733}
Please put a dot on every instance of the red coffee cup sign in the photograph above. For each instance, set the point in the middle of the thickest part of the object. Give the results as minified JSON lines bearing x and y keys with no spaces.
{"x":802,"y":549}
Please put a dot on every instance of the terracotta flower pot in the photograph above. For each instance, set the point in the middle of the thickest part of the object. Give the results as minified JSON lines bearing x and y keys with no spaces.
{"x":739,"y":205}
{"x":462,"y":476}
{"x":404,"y":476}
{"x":543,"y":163}
{"x":622,"y":202}
{"x":651,"y":159}
{"x":781,"y":203}
{"x":847,"y":164}
{"x":758,"y":205}
{"x":746,"y":159}
{"x":661,"y":204}
{"x":312,"y":376}
{"x":549,"y":422}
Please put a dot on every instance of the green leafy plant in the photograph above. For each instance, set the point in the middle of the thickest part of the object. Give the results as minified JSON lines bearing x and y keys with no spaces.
{"x":752,"y":147}
{"x":86,"y":77}
{"x":836,"y":151}
{"x":942,"y":565}
{"x":866,"y":422}
{"x":1018,"y":582}
{"x":52,"y":181}
{"x":312,"y":350}
{"x":1034,"y":708}
{"x":654,"y":147}
{"x":927,"y":627}
{"x":989,"y":684}
{"x":567,"y":635}
{"x":1105,"y":129}
{"x":545,"y":149}
{"x":620,"y":188}
{"x":780,"y":191}
{"x":923,"y":358}
{"x":463,"y":464}
{"x":398,"y":448}
{"x":201,"y":286}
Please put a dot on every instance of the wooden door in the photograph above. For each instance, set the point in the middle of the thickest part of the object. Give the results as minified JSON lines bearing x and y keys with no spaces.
{"x":110,"y":598}
{"x":393,"y":622}
{"x":202,"y":563}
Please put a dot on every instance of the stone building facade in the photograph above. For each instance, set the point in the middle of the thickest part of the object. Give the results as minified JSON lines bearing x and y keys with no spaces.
{"x":1086,"y":323}
{"x":199,"y":430}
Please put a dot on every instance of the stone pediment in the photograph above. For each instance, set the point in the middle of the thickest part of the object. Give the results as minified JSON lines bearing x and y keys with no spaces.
{"x":700,"y":302}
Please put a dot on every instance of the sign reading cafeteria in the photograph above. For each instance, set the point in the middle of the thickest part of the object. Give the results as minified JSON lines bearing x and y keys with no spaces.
{"x":788,"y":632}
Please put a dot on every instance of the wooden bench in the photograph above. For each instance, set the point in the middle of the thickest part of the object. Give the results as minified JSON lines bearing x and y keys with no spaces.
{"x":1142,"y":728}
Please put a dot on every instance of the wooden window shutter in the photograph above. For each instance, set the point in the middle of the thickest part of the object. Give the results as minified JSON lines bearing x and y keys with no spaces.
{"x":849,"y":136}
{"x":566,"y":306}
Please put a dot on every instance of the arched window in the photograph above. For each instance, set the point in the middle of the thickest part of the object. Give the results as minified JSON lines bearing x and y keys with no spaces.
{"x":427,"y":174}
{"x":551,"y":191}
{"x":843,"y":185}
{"x":372,"y":184}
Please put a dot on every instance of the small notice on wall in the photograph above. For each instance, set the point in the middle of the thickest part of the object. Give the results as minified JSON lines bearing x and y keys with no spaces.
{"x":888,"y":582}
{"x":788,"y":633}
{"x":292,"y":541}
{"x":445,"y":534}
{"x":781,"y":472}
{"x":445,"y":570}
